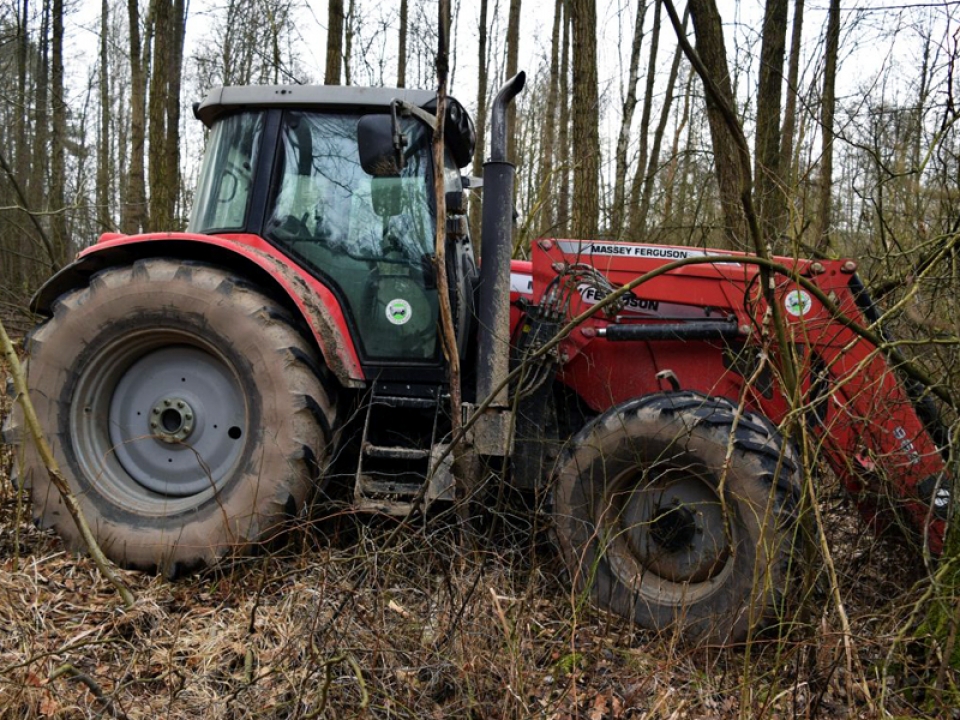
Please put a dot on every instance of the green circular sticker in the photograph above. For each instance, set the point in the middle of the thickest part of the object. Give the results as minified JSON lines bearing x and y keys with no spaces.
{"x":399,"y":311}
{"x":798,"y":302}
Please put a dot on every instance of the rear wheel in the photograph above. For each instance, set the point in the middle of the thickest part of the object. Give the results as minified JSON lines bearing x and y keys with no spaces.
{"x":676,"y":510}
{"x":185,"y":410}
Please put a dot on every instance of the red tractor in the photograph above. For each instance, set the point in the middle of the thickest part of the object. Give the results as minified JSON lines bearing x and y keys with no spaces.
{"x":196,"y":385}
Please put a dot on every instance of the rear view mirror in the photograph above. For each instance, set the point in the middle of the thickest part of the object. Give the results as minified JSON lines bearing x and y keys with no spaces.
{"x":380,"y":144}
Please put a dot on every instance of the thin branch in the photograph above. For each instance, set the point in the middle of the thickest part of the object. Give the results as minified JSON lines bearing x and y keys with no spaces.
{"x":746,"y":196}
{"x":53,"y":468}
{"x":48,"y":246}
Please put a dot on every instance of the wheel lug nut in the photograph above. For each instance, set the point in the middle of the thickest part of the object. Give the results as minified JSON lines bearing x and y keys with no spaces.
{"x":167,"y":403}
{"x":153,"y":425}
{"x":188,"y":416}
{"x":156,"y":411}
{"x":180,"y":404}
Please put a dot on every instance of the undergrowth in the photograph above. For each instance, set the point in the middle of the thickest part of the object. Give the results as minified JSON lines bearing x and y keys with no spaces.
{"x":334,"y":622}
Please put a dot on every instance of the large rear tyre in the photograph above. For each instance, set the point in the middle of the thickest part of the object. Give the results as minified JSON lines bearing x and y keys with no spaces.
{"x":185,"y":409}
{"x":677,"y":511}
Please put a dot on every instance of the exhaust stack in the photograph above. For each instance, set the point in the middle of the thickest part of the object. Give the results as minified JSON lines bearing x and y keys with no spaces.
{"x":493,"y":363}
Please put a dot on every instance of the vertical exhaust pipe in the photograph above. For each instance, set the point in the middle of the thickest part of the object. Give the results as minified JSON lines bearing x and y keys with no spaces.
{"x":493,"y":362}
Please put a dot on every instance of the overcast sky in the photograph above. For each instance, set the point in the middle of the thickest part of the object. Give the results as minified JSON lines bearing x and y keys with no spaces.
{"x":877,"y":36}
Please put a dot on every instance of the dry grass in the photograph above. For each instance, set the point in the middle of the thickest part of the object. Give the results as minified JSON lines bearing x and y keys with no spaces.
{"x":334,"y":624}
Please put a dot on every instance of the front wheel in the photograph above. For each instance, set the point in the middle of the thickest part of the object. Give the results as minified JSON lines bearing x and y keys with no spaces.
{"x":185,"y":410}
{"x":678,"y":511}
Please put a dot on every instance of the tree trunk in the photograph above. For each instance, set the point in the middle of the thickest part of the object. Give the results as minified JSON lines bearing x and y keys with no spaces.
{"x":770,"y":188}
{"x":787,"y":169}
{"x":334,"y":42}
{"x":22,"y":161}
{"x":402,"y":53}
{"x":156,"y":132}
{"x":648,"y":173}
{"x":828,"y":105}
{"x":549,"y":149}
{"x":14,"y":265}
{"x":619,"y":210}
{"x":133,"y":215}
{"x":513,"y":49}
{"x":172,"y":148}
{"x":712,"y":51}
{"x":670,"y":182}
{"x":58,"y":138}
{"x":481,"y":125}
{"x":349,"y":30}
{"x":586,"y":126}
{"x":165,"y":113}
{"x":104,"y":221}
{"x":38,"y":188}
{"x":563,"y":136}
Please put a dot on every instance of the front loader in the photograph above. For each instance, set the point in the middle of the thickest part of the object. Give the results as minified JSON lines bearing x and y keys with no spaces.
{"x":196,"y":385}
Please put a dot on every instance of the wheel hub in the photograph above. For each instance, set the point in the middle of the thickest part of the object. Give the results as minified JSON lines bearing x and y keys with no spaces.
{"x":177,"y":421}
{"x":675,"y":527}
{"x":172,"y":420}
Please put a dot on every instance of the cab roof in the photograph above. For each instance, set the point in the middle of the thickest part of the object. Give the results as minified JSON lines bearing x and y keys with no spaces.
{"x":222,"y":100}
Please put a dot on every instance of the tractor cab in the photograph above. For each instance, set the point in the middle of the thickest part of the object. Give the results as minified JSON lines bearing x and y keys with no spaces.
{"x":340,"y":180}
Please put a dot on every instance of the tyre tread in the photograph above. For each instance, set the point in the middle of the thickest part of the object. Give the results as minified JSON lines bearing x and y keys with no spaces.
{"x":312,"y":421}
{"x":760,"y":451}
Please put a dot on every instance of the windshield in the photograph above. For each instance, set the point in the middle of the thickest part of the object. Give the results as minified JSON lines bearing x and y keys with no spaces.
{"x":370,"y":238}
{"x":226,"y":176}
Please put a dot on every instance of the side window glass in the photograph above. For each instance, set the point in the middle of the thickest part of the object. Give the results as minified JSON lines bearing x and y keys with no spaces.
{"x":367,"y":237}
{"x":226,"y":175}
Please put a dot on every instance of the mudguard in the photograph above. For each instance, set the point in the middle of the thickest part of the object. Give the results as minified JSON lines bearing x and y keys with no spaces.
{"x":246,"y":254}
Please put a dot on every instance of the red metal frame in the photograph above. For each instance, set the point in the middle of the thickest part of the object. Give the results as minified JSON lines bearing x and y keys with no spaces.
{"x":866,"y":426}
{"x":869,"y":431}
{"x":317,"y":304}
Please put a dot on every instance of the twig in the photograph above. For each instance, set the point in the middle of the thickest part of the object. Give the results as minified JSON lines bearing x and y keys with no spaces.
{"x":53,"y":469}
{"x":788,"y":367}
{"x":47,"y":245}
{"x":72,"y":673}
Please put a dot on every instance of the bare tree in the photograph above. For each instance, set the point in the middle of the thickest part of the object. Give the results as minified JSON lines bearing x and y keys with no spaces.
{"x":827,"y":109}
{"x":770,"y":187}
{"x":103,"y":140}
{"x":58,"y":138}
{"x":618,"y":211}
{"x":586,"y":128}
{"x":513,"y":50}
{"x":334,"y":42}
{"x":349,"y":32}
{"x":402,"y":41}
{"x":164,"y":132}
{"x":712,"y":51}
{"x":563,"y":149}
{"x":134,"y":212}
{"x":551,"y":114}
{"x":481,"y":117}
{"x":641,"y":191}
{"x":787,"y":165}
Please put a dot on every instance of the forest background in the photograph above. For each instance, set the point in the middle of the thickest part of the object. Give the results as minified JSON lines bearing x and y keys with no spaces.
{"x":850,"y":112}
{"x":611,"y":139}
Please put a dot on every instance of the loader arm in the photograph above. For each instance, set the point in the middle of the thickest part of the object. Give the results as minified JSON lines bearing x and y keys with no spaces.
{"x":704,"y":327}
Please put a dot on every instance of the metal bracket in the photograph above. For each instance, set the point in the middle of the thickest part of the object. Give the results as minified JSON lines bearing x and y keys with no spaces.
{"x":671,"y":377}
{"x":491,"y":433}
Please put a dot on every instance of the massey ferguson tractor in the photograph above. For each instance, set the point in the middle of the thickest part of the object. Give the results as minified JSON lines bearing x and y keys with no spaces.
{"x":196,"y":385}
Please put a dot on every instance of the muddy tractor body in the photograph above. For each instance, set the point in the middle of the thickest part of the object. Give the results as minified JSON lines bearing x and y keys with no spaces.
{"x":196,"y":385}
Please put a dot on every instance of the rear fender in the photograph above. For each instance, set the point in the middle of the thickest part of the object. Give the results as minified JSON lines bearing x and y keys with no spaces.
{"x":248,"y":256}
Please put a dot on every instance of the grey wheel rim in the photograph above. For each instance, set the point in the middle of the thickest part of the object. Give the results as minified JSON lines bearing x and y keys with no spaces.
{"x":675,"y":528}
{"x":668,"y":532}
{"x":177,"y":421}
{"x":159,"y":421}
